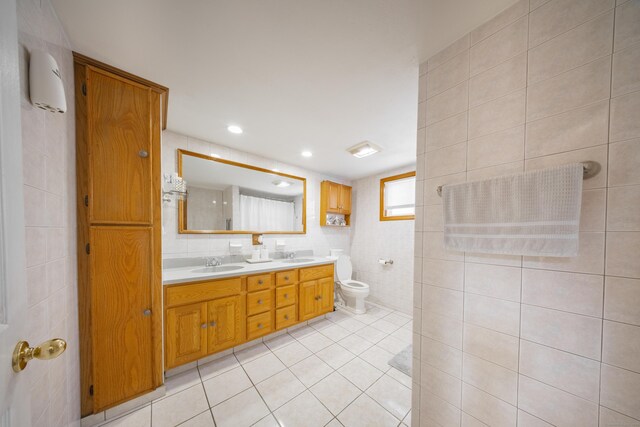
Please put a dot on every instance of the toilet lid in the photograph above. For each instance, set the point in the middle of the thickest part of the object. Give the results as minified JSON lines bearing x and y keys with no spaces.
{"x":343,"y":268}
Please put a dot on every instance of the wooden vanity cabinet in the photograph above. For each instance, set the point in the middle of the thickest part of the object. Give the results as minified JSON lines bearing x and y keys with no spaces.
{"x":334,"y":199}
{"x":119,"y":118}
{"x":202,"y":318}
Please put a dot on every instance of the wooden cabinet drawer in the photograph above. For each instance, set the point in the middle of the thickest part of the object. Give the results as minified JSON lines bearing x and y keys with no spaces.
{"x":258,"y":302}
{"x":286,"y":295}
{"x":286,"y":317}
{"x":199,"y":292}
{"x":286,"y":277}
{"x":259,"y":325}
{"x":313,"y":273}
{"x":258,"y":283}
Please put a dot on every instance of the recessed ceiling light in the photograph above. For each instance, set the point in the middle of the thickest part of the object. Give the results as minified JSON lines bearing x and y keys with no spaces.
{"x":306,"y":153}
{"x":281,"y":184}
{"x":275,"y":170}
{"x":234,"y":129}
{"x":217,"y":156}
{"x":364,"y":149}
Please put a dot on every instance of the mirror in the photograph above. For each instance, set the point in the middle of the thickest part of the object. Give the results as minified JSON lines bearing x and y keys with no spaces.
{"x":226,"y":197}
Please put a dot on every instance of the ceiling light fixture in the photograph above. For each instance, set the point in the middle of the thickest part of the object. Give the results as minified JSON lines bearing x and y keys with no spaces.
{"x":234,"y":129}
{"x":275,"y":170}
{"x":306,"y":153}
{"x":214,"y":155}
{"x":281,"y":184}
{"x":364,"y":149}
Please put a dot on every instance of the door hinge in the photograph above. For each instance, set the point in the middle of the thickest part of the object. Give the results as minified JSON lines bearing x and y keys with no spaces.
{"x":86,"y":200}
{"x":84,"y":89}
{"x":91,"y":390}
{"x":87,"y":249}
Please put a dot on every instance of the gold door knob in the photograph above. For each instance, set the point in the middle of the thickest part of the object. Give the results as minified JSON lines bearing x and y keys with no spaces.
{"x":48,"y":350}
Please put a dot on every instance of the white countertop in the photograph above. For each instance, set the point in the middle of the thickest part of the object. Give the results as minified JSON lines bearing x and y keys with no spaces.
{"x":171,"y":276}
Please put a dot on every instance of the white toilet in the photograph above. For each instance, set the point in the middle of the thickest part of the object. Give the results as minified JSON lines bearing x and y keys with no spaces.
{"x":354,"y":292}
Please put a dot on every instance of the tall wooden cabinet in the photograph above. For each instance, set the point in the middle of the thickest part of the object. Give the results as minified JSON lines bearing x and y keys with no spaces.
{"x":334,"y":199}
{"x":118,"y":123}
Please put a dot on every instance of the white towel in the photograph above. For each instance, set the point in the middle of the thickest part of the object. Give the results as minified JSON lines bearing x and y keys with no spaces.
{"x":536,"y":213}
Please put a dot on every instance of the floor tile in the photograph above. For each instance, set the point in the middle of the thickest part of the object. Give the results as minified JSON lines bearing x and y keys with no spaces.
{"x":137,"y":418}
{"x":311,"y":370}
{"x":361,"y":373}
{"x":240,"y":411}
{"x":365,"y":412}
{"x":268,"y":421}
{"x":385,"y":326}
{"x":205,"y":419}
{"x":335,"y":355}
{"x":252,"y":353}
{"x":335,"y":392}
{"x":392,"y":345}
{"x":396,"y":318}
{"x":380,"y":312}
{"x":355,"y":344}
{"x":315,"y":342}
{"x":378,"y":357}
{"x":305,"y":410}
{"x":335,"y":332}
{"x":218,"y":366}
{"x":334,"y":423}
{"x":226,"y":385}
{"x":262,"y":368}
{"x":322,"y":324}
{"x":279,"y":389}
{"x":392,"y":395}
{"x":303,"y":332}
{"x":179,"y":407}
{"x":407,"y":419}
{"x":352,"y":325}
{"x":280,"y":341}
{"x":399,"y":376}
{"x":182,"y":381}
{"x":404,"y":335}
{"x":371,"y":334}
{"x":292,"y":354}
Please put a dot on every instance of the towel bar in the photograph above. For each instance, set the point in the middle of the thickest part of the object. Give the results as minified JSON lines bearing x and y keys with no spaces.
{"x":590,"y":169}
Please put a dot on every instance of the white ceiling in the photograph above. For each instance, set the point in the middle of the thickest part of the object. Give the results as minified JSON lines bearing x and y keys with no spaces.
{"x":294,"y":74}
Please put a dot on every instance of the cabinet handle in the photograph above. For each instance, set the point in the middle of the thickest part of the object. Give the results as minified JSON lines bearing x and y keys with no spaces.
{"x":203,"y":326}
{"x":143,"y":153}
{"x":286,"y":317}
{"x":147,"y":312}
{"x":259,"y":325}
{"x":259,"y":301}
{"x":286,"y":295}
{"x":260,"y":282}
{"x":212,"y":324}
{"x":286,"y":277}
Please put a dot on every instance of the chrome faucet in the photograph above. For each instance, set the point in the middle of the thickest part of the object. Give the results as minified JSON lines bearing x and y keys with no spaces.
{"x":212,"y":261}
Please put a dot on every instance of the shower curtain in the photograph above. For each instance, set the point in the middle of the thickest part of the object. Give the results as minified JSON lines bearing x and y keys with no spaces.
{"x":257,"y":213}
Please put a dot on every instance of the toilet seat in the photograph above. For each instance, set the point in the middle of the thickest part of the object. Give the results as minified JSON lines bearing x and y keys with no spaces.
{"x":353,"y":292}
{"x":354,"y":285}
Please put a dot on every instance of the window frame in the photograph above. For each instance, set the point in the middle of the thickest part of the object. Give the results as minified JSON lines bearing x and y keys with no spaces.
{"x":383,"y":181}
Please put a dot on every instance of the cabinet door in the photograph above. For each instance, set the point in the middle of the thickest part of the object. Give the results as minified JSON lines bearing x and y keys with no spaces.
{"x":120,"y":268}
{"x":308,"y":299}
{"x":186,"y":337}
{"x":226,"y":323}
{"x":333,"y":197}
{"x":325,"y":292}
{"x":345,"y":199}
{"x":119,"y":135}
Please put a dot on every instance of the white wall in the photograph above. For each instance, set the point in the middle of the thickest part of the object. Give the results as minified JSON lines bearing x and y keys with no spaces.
{"x":512,"y":340}
{"x":371,"y":239}
{"x":48,"y":141}
{"x":319,"y":239}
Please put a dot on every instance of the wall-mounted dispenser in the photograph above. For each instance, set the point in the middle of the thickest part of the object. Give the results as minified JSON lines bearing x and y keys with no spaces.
{"x":45,"y":83}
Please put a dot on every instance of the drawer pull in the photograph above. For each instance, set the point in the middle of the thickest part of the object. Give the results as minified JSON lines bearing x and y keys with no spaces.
{"x":259,"y":301}
{"x":286,"y":317}
{"x":203,"y":326}
{"x":212,"y":324}
{"x":259,"y":325}
{"x":147,"y":312}
{"x":143,"y":153}
{"x":286,"y":277}
{"x":260,"y":282}
{"x":286,"y":295}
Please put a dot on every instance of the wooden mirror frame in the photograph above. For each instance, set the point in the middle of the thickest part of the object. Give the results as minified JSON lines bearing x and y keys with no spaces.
{"x":182,"y":208}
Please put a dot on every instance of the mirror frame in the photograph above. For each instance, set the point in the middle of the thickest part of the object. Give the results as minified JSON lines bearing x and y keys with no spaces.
{"x":182,"y":209}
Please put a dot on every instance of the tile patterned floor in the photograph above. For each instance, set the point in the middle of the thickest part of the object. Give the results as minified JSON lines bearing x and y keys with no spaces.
{"x":333,"y":372}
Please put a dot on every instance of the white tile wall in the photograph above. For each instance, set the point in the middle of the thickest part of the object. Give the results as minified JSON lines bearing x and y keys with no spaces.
{"x":48,"y":141}
{"x":319,"y":239}
{"x":371,"y":239}
{"x":545,"y":341}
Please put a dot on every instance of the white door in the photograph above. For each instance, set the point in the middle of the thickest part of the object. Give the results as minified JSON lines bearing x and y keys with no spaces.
{"x":14,"y":392}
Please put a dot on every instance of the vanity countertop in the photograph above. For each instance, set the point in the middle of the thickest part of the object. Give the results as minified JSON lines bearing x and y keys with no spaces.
{"x":172,"y":276}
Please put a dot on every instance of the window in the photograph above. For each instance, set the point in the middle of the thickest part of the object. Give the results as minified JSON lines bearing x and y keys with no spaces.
{"x":398,"y":197}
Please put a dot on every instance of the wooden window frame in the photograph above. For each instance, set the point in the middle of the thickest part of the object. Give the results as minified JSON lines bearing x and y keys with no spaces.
{"x":383,"y":181}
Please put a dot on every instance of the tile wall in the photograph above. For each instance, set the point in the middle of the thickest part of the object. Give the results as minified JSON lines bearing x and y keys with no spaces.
{"x":371,"y":239}
{"x":50,"y":217}
{"x":532,"y":341}
{"x":175,"y":245}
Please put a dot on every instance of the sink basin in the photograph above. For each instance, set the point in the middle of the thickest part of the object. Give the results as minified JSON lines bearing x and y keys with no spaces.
{"x":217,"y":269}
{"x":296,"y":260}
